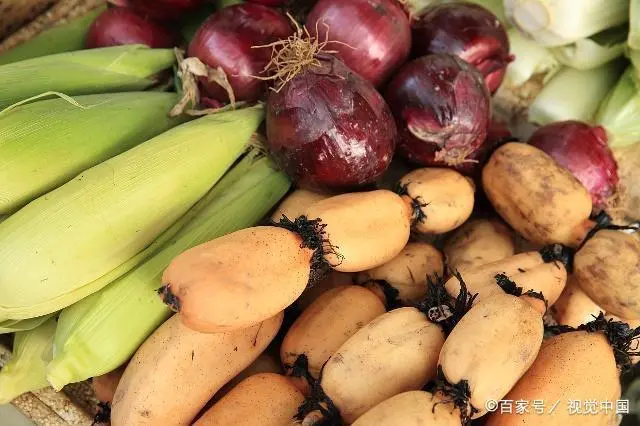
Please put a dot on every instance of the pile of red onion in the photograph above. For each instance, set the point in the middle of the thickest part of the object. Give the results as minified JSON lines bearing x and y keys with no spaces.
{"x":327,"y":125}
{"x":442,"y":110}
{"x":468,"y":31}
{"x":584,"y":151}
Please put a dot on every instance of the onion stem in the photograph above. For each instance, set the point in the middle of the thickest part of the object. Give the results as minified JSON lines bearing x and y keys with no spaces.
{"x":561,"y":22}
{"x":530,"y":59}
{"x":594,"y":51}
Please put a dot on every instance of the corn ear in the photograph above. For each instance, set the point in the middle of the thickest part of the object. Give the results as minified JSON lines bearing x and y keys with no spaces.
{"x":26,"y":370}
{"x":14,"y":326}
{"x":45,"y":144}
{"x":85,"y":72}
{"x":101,"y":332}
{"x":78,"y":238}
{"x":62,"y":38}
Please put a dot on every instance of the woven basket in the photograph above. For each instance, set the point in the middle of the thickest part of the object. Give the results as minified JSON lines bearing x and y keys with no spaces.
{"x":21,"y":20}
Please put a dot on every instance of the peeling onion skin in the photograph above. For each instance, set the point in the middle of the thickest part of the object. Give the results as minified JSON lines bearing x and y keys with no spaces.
{"x":225,"y":40}
{"x":374,"y":35}
{"x":329,"y":129}
{"x":119,"y":26}
{"x":442,"y":109}
{"x":468,"y":31}
{"x":584,"y":151}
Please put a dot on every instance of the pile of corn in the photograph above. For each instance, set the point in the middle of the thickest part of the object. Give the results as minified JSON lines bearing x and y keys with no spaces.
{"x":101,"y":188}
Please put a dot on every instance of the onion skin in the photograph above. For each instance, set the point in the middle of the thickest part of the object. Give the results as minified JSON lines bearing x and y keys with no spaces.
{"x":118,"y":26}
{"x":271,"y":3}
{"x":584,"y":151}
{"x":329,"y":129}
{"x":225,"y":40}
{"x":374,"y":35}
{"x":442,"y":109}
{"x":468,"y":31}
{"x":164,"y":10}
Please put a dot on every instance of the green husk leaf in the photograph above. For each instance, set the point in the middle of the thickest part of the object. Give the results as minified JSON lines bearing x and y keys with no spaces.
{"x":84,"y":72}
{"x":26,"y":370}
{"x":66,"y":37}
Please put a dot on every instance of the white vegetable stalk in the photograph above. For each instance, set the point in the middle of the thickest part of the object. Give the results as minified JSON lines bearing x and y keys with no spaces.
{"x":530,"y":59}
{"x":594,"y":51}
{"x":574,"y":94}
{"x":561,"y":22}
{"x":620,"y":110}
{"x":496,"y":7}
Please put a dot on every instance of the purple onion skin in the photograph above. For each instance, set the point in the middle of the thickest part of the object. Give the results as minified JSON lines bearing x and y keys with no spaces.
{"x":163,"y":10}
{"x":271,"y":3}
{"x":225,"y":40}
{"x":119,"y":26}
{"x":442,"y":109}
{"x":374,"y":35}
{"x":468,"y":31}
{"x":584,"y":151}
{"x":329,"y":129}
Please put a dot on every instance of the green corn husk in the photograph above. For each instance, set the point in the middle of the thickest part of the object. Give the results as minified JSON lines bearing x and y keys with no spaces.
{"x":67,"y":37}
{"x":634,"y":24}
{"x":13,"y":326}
{"x":80,"y":237}
{"x":101,"y":332}
{"x":26,"y":370}
{"x":594,"y":51}
{"x":574,"y":94}
{"x":619,"y":113}
{"x":45,"y":144}
{"x":85,"y":72}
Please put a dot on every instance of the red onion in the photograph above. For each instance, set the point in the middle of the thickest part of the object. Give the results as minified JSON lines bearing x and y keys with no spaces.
{"x":584,"y":151}
{"x":118,"y":26}
{"x":226,"y":39}
{"x":468,"y":31}
{"x":329,"y":128}
{"x":374,"y":35}
{"x":442,"y":109}
{"x":271,"y":3}
{"x":163,"y":10}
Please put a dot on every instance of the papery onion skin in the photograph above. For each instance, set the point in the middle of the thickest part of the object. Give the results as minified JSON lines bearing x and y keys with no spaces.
{"x":584,"y":151}
{"x":373,"y":36}
{"x":226,"y":40}
{"x":468,"y":31}
{"x":329,"y":129}
{"x":442,"y":109}
{"x":119,"y":26}
{"x":164,"y":10}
